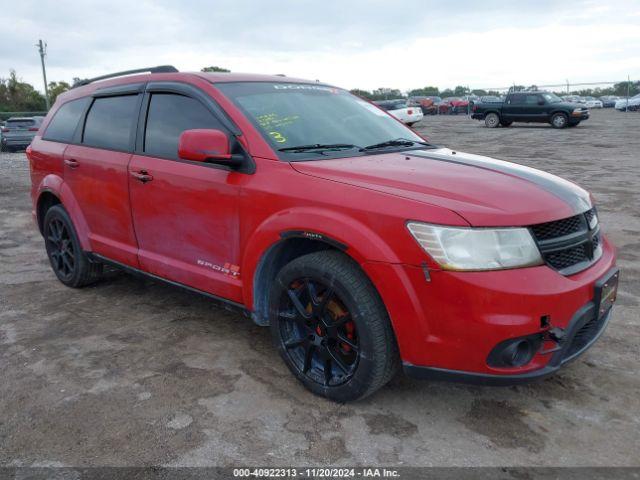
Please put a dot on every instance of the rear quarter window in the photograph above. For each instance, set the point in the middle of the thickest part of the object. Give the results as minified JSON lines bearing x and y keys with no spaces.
{"x":110,"y":122}
{"x":65,"y":121}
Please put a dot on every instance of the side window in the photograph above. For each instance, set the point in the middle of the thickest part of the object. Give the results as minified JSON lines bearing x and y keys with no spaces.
{"x":533,"y":99}
{"x":64,"y":122}
{"x":517,"y":99}
{"x":169,"y":115}
{"x":109,"y":122}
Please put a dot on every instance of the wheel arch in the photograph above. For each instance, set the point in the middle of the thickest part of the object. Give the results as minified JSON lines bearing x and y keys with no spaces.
{"x":54,"y":191}
{"x":275,"y":243}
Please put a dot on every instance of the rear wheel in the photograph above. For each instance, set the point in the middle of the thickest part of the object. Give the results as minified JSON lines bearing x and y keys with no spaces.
{"x":492,"y":120}
{"x":559,"y":120}
{"x":331,"y":327}
{"x":68,"y":261}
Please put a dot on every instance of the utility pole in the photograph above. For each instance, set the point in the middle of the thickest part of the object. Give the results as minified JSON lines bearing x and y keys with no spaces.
{"x":42,"y":48}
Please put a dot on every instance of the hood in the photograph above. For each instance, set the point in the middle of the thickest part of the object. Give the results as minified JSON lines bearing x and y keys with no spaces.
{"x":486,"y":192}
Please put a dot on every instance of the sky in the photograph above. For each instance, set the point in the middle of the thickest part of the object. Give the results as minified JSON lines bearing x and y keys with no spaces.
{"x":400,"y":44}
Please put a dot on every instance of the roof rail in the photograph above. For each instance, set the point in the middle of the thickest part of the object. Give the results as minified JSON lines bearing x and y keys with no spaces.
{"x":159,"y":69}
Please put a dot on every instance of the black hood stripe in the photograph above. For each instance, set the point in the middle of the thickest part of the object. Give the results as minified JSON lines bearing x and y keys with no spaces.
{"x":574,"y":196}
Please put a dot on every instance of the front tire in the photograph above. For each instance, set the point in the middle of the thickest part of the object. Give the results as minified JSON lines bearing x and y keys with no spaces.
{"x":68,"y":261}
{"x":492,"y":120}
{"x":559,"y":120}
{"x":331,"y":328}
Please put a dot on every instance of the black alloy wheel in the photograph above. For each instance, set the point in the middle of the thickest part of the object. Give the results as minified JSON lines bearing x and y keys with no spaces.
{"x":331,"y":327}
{"x":318,"y":332}
{"x":69,"y":262}
{"x":60,"y":249}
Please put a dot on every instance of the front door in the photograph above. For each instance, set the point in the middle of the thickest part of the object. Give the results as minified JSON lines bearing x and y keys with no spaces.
{"x":185,"y":213}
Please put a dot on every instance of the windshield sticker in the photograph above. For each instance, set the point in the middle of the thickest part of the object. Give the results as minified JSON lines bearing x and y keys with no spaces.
{"x":304,"y":86}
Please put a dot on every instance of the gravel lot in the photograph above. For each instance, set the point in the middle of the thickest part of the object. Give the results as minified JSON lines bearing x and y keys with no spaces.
{"x":130,"y":372}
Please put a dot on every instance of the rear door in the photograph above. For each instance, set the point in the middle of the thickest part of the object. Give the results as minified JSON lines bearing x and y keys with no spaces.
{"x":96,"y":171}
{"x":185,"y":213}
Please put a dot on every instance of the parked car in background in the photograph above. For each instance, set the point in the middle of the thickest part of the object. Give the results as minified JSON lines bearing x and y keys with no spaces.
{"x":632,"y":104}
{"x":609,"y":101}
{"x":539,"y":107}
{"x":456,"y":105}
{"x":574,"y":99}
{"x":593,"y":102}
{"x":18,"y":132}
{"x":428,"y":104}
{"x":400,"y":109}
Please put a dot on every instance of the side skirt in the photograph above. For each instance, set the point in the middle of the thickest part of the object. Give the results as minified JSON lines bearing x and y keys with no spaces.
{"x":222,"y":302}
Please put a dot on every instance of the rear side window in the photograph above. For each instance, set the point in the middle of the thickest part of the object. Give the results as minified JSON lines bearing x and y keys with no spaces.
{"x":517,"y":99}
{"x":64,"y":122}
{"x":110,"y":121}
{"x":169,"y":115}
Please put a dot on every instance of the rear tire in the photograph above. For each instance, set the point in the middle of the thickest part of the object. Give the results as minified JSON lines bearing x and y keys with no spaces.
{"x":331,"y":328}
{"x":492,"y":120}
{"x":559,"y":120}
{"x":68,"y":261}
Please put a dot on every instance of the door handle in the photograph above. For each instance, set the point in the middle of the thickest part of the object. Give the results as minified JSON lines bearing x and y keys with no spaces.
{"x":142,"y":176}
{"x":71,"y":163}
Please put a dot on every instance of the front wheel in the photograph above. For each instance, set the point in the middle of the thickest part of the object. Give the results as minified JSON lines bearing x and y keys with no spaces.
{"x":331,"y":327}
{"x":68,"y":261}
{"x":492,"y":120}
{"x":559,"y":120}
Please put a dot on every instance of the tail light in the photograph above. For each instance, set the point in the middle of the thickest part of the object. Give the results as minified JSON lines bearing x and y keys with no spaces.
{"x":475,"y":107}
{"x":5,"y":130}
{"x":410,"y":112}
{"x":33,"y":129}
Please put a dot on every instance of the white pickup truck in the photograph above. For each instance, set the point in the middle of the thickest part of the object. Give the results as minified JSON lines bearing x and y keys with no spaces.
{"x":400,"y":110}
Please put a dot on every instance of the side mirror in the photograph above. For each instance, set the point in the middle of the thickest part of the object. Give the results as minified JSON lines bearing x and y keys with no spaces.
{"x":204,"y":145}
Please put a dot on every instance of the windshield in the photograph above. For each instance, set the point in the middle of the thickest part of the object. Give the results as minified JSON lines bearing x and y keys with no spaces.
{"x":551,"y":97}
{"x":289,"y":115}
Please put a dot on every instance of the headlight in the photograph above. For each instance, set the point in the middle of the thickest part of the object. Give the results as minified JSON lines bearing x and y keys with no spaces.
{"x":456,"y":248}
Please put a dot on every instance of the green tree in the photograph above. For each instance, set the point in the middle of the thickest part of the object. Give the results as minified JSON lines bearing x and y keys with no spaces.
{"x":18,"y":96}
{"x":55,"y":89}
{"x":447,"y":92}
{"x":362,"y":93}
{"x":425,"y":92}
{"x":460,"y":91}
{"x":214,"y":69}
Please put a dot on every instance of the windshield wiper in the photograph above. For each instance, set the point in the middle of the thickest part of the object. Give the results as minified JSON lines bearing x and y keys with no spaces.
{"x":396,"y":142}
{"x":318,"y":146}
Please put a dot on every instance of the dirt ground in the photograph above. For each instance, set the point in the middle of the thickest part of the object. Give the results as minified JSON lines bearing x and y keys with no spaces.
{"x":131,"y":372}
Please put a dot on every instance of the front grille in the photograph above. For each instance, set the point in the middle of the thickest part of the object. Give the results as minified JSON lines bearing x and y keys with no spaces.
{"x":559,"y":228}
{"x":567,"y":258}
{"x":569,"y":245}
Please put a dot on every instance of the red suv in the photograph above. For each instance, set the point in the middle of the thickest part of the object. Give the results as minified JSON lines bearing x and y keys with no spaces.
{"x":362,"y":246}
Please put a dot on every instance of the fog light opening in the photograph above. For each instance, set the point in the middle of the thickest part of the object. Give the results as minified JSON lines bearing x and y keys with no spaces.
{"x":518,"y":353}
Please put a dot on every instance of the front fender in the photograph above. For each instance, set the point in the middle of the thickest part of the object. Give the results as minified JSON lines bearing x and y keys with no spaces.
{"x":55,"y":185}
{"x":361,"y":242}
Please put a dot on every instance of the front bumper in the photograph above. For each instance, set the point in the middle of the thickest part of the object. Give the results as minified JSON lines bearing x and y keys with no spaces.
{"x":559,"y":358}
{"x":447,"y":323}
